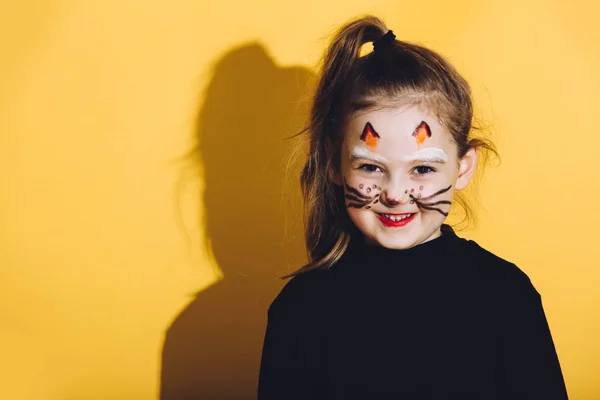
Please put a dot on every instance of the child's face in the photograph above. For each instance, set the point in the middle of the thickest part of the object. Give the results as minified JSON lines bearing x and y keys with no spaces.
{"x":399,"y":169}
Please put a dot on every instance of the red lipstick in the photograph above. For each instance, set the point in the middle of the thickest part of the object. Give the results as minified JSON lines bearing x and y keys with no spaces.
{"x":401,"y":219}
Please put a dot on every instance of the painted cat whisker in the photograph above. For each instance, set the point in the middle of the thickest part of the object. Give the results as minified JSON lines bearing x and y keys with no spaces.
{"x":356,"y":193}
{"x":357,"y":205}
{"x":354,"y":198}
{"x":432,"y":209}
{"x":436,"y":193}
{"x":416,"y":199}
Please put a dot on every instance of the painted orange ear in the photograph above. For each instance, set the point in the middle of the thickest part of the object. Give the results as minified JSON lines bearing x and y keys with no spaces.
{"x":369,"y":136}
{"x":422,"y":132}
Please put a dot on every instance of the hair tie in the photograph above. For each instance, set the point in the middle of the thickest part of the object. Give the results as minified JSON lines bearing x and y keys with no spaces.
{"x":384,"y":41}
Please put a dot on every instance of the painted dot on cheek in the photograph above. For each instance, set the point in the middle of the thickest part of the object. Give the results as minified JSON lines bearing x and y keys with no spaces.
{"x":421,"y":187}
{"x":412,"y":202}
{"x":374,"y":186}
{"x":361,"y":186}
{"x":406,"y":191}
{"x":368,"y":190}
{"x":412,"y":190}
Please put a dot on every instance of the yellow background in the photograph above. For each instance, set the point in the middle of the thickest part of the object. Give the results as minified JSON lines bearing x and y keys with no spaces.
{"x":106,"y":234}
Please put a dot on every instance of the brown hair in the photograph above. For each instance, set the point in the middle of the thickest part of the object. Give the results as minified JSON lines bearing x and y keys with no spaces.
{"x":399,"y":71}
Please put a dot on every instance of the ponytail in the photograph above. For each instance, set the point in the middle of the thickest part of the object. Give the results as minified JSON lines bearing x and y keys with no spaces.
{"x":327,"y":233}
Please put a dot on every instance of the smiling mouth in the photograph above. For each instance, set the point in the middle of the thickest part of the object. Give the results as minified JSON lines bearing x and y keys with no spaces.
{"x":396,"y":220}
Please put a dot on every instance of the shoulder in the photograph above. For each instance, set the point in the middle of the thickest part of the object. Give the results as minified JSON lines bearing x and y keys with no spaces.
{"x":303,"y":292}
{"x":500,"y":273}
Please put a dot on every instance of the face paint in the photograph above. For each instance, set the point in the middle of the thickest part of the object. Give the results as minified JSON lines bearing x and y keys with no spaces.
{"x":411,"y":140}
{"x":430,"y":206}
{"x":422,"y":132}
{"x":427,"y":155}
{"x":389,"y":202}
{"x":361,"y":152}
{"x":357,"y":199}
{"x":369,"y":136}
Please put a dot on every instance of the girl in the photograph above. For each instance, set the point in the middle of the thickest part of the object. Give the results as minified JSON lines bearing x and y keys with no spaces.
{"x":393,"y":304}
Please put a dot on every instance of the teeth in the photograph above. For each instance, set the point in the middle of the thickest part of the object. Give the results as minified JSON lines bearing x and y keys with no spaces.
{"x":396,"y":218}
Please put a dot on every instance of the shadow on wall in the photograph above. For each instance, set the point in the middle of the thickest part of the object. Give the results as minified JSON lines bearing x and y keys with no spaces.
{"x":253,"y":224}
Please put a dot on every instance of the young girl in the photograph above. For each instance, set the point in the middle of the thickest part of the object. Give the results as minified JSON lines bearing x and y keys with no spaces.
{"x":393,"y":304}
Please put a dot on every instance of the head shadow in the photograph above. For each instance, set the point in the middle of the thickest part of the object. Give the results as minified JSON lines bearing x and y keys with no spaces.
{"x":252,"y":223}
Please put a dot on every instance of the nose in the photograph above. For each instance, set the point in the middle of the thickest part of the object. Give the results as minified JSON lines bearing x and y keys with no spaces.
{"x":393,"y":199}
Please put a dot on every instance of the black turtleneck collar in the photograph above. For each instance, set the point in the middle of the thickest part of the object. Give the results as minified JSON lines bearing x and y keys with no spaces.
{"x":433,"y":250}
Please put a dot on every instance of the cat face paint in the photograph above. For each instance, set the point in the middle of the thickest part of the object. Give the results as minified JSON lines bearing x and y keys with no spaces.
{"x":426,"y":203}
{"x":362,"y":153}
{"x":370,"y":136}
{"x":399,"y":169}
{"x":422,"y":132}
{"x":356,"y":197}
{"x":429,"y":155}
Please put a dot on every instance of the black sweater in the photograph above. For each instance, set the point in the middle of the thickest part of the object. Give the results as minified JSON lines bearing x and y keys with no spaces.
{"x":443,"y":320}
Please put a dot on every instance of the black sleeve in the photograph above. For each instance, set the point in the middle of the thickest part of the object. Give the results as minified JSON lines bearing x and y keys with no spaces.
{"x":290,"y":367}
{"x":529,"y":364}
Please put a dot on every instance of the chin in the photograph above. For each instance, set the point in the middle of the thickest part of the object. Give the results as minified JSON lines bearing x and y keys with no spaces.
{"x":414,"y":233}
{"x":394,"y":243}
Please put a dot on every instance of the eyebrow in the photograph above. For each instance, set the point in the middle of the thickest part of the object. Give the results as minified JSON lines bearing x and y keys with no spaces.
{"x":362,"y":153}
{"x":428,"y":155}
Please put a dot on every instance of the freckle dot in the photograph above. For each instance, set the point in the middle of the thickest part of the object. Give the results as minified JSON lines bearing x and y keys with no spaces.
{"x":361,"y":186}
{"x":406,"y":191}
{"x":420,"y":187}
{"x":412,"y":190}
{"x":369,"y":190}
{"x":412,"y":202}
{"x":374,"y":186}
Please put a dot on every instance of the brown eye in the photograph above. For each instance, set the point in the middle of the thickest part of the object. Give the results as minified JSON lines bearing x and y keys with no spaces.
{"x":370,"y":168}
{"x":423,"y":169}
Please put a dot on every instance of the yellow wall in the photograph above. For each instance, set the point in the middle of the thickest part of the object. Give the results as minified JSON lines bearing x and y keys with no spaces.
{"x":104,"y":234}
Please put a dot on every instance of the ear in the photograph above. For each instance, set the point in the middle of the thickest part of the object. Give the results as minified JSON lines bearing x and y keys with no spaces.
{"x":333,"y":172}
{"x":466,"y":169}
